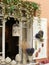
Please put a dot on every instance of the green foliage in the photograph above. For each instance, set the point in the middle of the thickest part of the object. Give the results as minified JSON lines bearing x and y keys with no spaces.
{"x":25,"y":3}
{"x":35,"y":5}
{"x":29,"y":8}
{"x":5,"y":1}
{"x":11,"y":7}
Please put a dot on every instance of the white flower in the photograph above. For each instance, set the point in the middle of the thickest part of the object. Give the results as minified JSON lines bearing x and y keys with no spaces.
{"x":3,"y":61}
{"x":18,"y":58}
{"x":13,"y":62}
{"x":7,"y":60}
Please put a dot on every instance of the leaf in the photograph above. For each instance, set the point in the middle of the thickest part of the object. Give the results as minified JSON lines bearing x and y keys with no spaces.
{"x":35,"y":5}
{"x":12,"y":8}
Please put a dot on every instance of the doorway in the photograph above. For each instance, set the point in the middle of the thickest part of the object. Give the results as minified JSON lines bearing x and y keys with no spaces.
{"x":11,"y":42}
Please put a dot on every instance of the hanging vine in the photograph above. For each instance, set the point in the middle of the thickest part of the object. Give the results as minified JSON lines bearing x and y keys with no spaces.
{"x":20,"y":8}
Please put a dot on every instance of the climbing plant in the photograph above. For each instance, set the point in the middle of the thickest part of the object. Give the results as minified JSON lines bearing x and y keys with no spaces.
{"x":20,"y":8}
{"x":30,"y":7}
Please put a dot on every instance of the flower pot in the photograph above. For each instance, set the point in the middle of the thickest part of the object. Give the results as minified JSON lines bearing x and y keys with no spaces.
{"x":35,"y":13}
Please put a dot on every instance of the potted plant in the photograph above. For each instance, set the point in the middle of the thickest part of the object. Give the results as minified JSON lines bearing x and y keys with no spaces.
{"x":35,"y":7}
{"x":15,"y":6}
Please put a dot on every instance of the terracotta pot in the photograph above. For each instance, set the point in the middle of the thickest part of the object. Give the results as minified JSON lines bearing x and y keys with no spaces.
{"x":35,"y":13}
{"x":0,"y":0}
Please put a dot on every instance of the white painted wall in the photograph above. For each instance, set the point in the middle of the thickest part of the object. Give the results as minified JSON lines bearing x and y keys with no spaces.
{"x":29,"y":36}
{"x":36,"y":28}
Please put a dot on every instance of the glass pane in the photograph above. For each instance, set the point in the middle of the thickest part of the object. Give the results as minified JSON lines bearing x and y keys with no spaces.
{"x":0,"y":10}
{"x":0,"y":39}
{"x":0,"y":54}
{"x":0,"y":21}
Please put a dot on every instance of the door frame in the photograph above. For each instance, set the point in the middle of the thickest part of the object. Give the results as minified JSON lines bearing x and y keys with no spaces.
{"x":20,"y":38}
